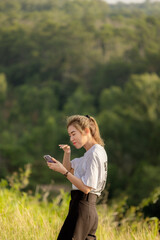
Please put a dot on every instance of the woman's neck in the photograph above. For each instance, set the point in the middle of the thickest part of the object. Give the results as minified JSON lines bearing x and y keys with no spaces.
{"x":89,"y":144}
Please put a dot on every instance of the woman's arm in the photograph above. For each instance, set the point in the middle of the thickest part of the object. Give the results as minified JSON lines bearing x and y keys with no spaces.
{"x":78,"y":183}
{"x":59,"y":167}
{"x":66,"y":156}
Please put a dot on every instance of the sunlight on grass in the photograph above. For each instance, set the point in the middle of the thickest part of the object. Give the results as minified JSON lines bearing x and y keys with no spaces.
{"x":26,"y":217}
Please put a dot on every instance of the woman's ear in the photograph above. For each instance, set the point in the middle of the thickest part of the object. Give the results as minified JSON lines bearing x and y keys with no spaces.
{"x":87,"y":130}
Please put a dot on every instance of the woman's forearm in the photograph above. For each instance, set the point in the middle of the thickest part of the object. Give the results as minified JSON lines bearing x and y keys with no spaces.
{"x":66,"y":161}
{"x":78,"y":183}
{"x":59,"y":167}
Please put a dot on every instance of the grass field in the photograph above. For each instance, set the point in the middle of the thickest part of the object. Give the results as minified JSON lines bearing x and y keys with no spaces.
{"x":24,"y":217}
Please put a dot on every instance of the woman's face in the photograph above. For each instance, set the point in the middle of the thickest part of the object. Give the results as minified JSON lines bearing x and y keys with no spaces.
{"x":76,"y":137}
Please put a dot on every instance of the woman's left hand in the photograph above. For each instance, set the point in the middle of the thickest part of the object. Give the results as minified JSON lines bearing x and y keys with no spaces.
{"x":56,"y":166}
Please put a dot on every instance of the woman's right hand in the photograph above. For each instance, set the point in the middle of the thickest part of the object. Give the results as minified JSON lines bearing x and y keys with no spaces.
{"x":66,"y":148}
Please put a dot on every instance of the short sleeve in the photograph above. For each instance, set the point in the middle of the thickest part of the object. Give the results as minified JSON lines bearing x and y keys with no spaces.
{"x":74,"y":162}
{"x":91,"y":176}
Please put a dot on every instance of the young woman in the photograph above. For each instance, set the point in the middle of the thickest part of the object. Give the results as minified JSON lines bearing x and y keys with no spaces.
{"x":88,"y":177}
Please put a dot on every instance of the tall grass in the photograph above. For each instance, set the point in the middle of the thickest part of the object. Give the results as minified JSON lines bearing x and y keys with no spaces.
{"x":24,"y":217}
{"x":137,"y":230}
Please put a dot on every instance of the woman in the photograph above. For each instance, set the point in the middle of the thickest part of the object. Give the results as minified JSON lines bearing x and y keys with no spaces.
{"x":87,"y":175}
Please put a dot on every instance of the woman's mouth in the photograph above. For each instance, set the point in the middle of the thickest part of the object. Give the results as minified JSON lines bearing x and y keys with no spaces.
{"x":74,"y":143}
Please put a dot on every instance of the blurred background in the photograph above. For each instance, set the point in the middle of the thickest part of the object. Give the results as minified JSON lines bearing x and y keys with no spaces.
{"x":59,"y":58}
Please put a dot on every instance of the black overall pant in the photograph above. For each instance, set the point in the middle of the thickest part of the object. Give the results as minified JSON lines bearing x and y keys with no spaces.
{"x":82,"y":219}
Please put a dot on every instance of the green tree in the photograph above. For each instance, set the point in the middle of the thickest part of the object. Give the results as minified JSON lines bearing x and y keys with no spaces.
{"x":80,"y":103}
{"x":129,"y":119}
{"x":3,"y":86}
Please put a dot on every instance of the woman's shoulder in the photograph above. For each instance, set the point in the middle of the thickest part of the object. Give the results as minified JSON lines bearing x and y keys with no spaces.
{"x":97,"y":151}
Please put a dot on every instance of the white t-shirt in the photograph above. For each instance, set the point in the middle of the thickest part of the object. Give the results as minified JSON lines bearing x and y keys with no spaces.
{"x":92,"y":169}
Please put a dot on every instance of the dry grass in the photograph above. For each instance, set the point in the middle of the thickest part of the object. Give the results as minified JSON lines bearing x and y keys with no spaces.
{"x":23,"y":217}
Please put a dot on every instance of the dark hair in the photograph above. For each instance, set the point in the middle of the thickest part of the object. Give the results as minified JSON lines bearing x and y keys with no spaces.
{"x":81,"y":122}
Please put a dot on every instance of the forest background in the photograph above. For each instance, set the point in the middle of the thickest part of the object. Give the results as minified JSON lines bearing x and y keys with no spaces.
{"x":59,"y":58}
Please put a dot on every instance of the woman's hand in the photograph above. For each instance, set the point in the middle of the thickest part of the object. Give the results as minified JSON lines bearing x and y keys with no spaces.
{"x":66,"y":148}
{"x":57,"y":166}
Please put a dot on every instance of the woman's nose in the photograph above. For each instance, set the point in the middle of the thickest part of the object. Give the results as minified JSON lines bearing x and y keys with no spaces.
{"x":71,"y":138}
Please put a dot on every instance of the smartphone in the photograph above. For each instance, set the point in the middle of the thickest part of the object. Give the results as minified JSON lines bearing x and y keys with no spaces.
{"x":48,"y":158}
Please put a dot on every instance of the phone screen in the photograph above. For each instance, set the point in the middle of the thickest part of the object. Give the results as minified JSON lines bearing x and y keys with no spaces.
{"x":48,"y":158}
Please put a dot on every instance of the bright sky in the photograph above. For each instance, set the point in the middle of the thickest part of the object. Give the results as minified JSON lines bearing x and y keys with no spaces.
{"x":128,"y":1}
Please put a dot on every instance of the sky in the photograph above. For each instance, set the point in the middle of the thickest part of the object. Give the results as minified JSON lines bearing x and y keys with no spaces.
{"x":128,"y":1}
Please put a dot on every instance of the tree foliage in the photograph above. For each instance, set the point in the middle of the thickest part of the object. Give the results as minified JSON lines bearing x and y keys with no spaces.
{"x":66,"y":57}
